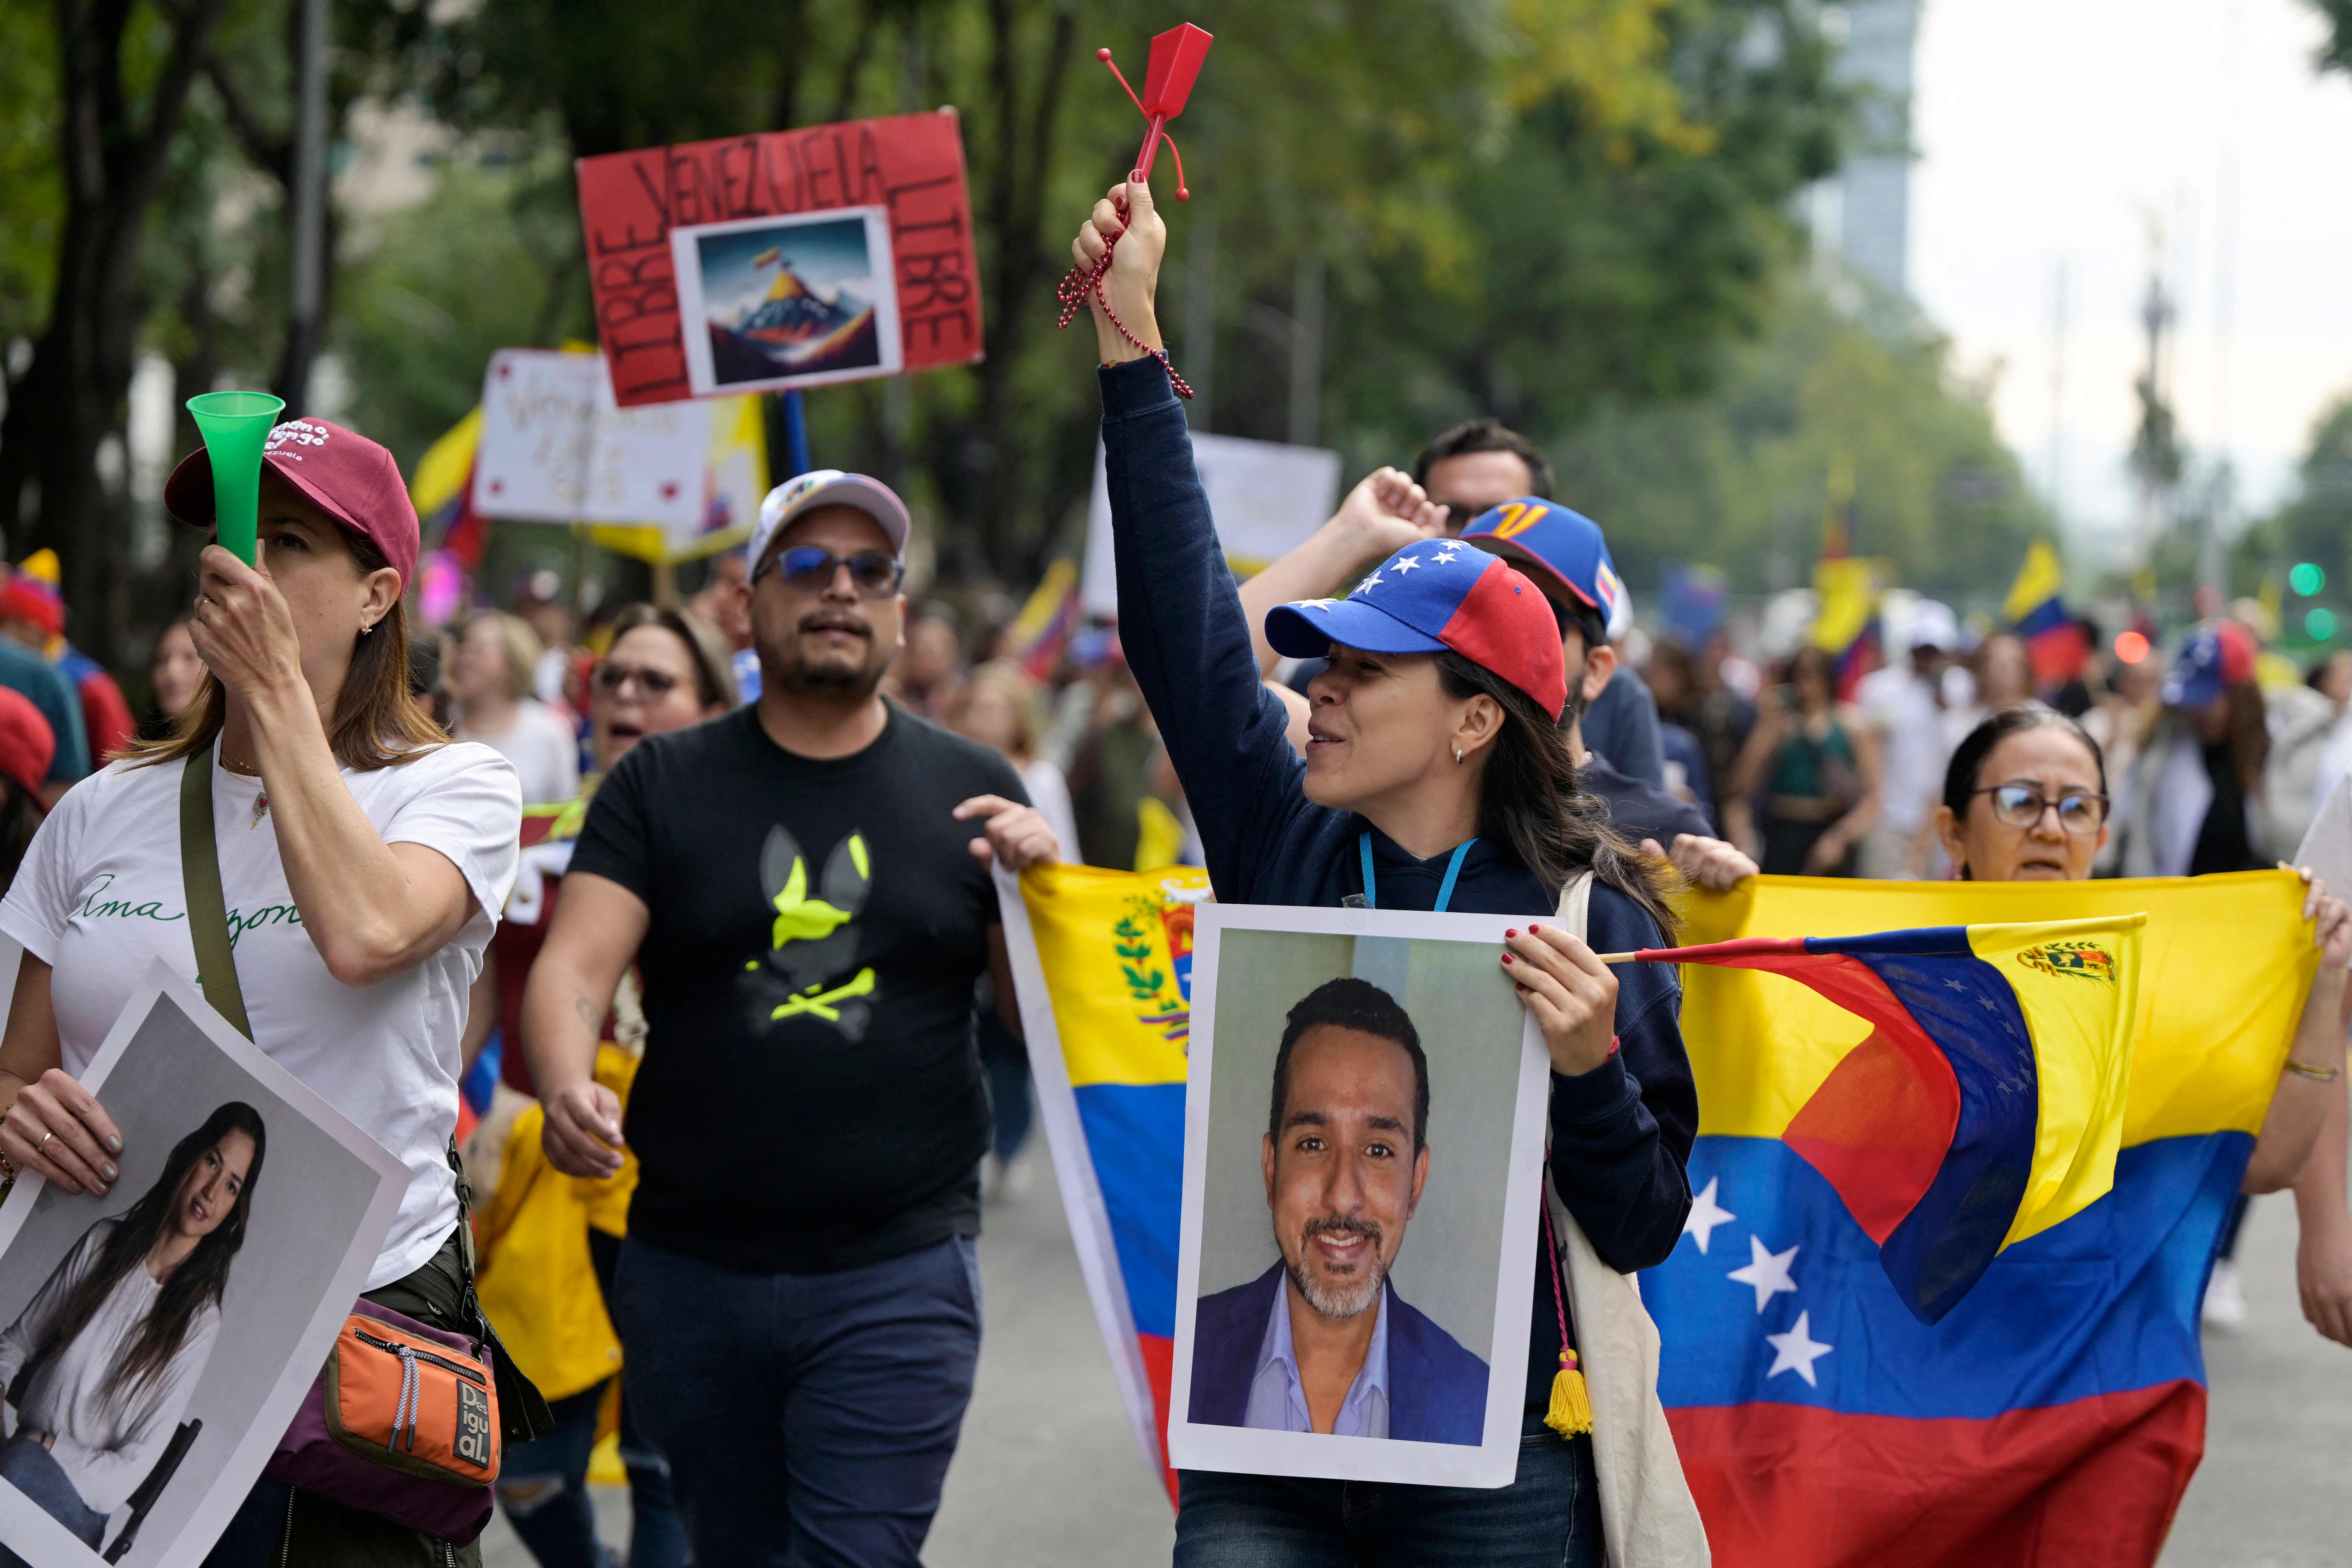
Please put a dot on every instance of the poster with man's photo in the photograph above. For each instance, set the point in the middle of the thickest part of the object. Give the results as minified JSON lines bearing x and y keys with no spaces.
{"x":1363,"y":1149}
{"x":154,"y":1342}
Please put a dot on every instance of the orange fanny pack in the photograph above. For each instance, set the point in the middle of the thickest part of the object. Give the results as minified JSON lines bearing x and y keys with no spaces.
{"x":411,"y":1404}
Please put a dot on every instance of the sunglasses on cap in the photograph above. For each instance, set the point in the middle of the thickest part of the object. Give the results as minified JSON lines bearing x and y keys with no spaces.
{"x":810,"y":568}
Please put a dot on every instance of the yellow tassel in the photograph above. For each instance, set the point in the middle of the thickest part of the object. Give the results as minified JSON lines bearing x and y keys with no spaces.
{"x":1572,"y":1407}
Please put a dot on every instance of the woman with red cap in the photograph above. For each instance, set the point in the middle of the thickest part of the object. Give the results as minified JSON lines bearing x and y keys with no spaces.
{"x":26,"y":747}
{"x":361,"y":857}
{"x":1435,"y":778}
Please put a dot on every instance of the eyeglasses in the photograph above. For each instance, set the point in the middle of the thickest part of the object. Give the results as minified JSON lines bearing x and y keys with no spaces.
{"x":810,"y":568}
{"x":2021,"y":806}
{"x":656,"y":684}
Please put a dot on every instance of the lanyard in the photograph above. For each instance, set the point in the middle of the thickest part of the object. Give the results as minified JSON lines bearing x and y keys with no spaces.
{"x":1444,"y":889}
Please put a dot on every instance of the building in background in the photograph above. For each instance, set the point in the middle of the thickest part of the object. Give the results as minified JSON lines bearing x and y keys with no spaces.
{"x":1863,"y":213}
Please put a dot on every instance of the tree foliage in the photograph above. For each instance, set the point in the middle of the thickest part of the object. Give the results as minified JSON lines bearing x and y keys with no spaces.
{"x":1741,"y":479}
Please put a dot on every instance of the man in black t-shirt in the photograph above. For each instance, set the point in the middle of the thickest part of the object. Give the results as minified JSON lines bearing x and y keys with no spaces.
{"x":808,"y":908}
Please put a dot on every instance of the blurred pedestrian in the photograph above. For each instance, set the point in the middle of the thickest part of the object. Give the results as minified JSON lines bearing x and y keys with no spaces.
{"x":803,"y":887}
{"x":175,"y":675}
{"x":1811,"y":768}
{"x":47,"y":689}
{"x":929,"y":671}
{"x":724,"y":603}
{"x":1691,"y":691}
{"x":25,"y":747}
{"x":1904,"y":704}
{"x":998,"y":708}
{"x":551,"y":620}
{"x":2193,"y":804}
{"x":497,"y":660}
{"x":33,"y":616}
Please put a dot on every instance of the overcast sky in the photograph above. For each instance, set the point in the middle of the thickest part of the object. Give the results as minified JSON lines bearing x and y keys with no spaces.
{"x":2050,"y":132}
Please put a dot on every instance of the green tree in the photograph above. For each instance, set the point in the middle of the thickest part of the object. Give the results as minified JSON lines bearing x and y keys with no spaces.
{"x":1740,"y":478}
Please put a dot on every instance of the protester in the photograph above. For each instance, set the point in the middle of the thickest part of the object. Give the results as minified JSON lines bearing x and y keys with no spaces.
{"x":1111,"y":775}
{"x":998,"y":708}
{"x":103,"y":1359}
{"x":33,"y":616}
{"x":725,"y":602}
{"x":42,"y":684}
{"x":551,"y":620}
{"x":175,"y":676}
{"x":551,"y":1239}
{"x":2193,"y":804}
{"x":1691,"y":691}
{"x":2026,"y":800}
{"x":926,"y":678}
{"x":497,"y":660}
{"x":25,"y":748}
{"x":1564,"y":554}
{"x":798,"y":1295}
{"x":1435,"y":776}
{"x":384,"y":850}
{"x":1904,"y":704}
{"x":1811,"y":768}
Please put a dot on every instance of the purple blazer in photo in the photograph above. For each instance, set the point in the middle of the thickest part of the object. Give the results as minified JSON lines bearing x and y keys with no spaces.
{"x":1437,"y":1390}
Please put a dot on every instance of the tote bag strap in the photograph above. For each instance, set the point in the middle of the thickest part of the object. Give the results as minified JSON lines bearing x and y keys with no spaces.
{"x":201,"y":882}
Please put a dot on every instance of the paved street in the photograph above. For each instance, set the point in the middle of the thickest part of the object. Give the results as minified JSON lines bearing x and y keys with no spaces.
{"x":1048,"y":1474}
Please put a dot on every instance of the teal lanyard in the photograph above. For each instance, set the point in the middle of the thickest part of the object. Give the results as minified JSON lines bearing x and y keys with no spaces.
{"x":1444,"y":889}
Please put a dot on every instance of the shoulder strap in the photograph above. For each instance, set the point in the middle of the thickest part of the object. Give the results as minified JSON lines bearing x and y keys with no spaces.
{"x":201,"y":883}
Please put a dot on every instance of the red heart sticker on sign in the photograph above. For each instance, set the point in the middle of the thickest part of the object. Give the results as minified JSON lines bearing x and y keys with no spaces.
{"x":670,"y":490}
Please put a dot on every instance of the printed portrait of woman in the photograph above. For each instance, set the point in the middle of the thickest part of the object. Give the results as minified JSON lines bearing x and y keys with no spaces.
{"x":100,"y":1366}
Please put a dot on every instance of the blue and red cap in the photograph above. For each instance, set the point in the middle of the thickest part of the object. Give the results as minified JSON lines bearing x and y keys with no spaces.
{"x":1430,"y":598}
{"x":1563,"y":550}
{"x":2217,"y":656}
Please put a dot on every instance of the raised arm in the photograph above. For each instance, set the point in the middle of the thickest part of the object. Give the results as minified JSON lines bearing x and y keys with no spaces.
{"x":1384,"y":513}
{"x":1181,"y":622}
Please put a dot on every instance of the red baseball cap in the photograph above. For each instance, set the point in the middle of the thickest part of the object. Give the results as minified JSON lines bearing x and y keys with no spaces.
{"x":26,"y":744}
{"x":342,"y":472}
{"x":24,"y":597}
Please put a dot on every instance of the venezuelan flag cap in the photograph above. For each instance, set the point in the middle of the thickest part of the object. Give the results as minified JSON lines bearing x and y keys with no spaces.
{"x":1430,"y":598}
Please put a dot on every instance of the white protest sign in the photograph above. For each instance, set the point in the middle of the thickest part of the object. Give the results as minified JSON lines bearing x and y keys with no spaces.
{"x":556,"y":449}
{"x":1265,"y":497}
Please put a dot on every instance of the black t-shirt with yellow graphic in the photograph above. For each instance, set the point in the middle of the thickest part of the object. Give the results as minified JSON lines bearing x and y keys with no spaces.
{"x":811,"y":1098}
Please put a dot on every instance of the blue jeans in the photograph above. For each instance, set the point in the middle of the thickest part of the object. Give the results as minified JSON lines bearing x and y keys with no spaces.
{"x":544,"y":1491}
{"x":1549,"y":1517}
{"x":31,"y":1468}
{"x":808,"y":1418}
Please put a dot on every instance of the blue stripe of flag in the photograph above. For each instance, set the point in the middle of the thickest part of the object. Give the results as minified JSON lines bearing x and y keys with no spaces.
{"x":1135,"y":1134}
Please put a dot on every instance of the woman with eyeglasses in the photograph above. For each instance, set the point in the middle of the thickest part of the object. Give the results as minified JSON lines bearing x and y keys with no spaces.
{"x":664,"y":670}
{"x":2026,"y":800}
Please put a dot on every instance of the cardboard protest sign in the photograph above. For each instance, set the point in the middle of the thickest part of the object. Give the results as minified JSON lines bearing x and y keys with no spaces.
{"x":1267,"y":497}
{"x":555,"y":448}
{"x":712,"y":274}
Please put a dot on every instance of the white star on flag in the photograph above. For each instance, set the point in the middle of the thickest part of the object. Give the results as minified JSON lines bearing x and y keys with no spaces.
{"x":1705,"y":1215}
{"x":1404,"y":563}
{"x":1446,"y":557}
{"x":1366,"y":585}
{"x":1796,"y":1350}
{"x":1767,"y":1271}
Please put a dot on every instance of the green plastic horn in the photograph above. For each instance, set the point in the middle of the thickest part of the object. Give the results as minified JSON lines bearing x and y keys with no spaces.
{"x":236,"y":425}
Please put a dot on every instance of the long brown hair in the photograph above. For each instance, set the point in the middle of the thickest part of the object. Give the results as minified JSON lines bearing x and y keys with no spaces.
{"x":376,"y":722}
{"x":1532,"y":802}
{"x":196,"y":1284}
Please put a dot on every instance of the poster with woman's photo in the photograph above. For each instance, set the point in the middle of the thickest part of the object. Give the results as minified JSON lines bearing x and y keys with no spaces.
{"x":154,"y":1342}
{"x":1363,"y":1149}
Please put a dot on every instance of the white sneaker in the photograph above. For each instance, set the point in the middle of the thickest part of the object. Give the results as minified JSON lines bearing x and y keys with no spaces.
{"x":2225,"y":1299}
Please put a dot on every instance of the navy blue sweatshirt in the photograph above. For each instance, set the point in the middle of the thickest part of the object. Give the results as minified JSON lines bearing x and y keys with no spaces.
{"x":1620,"y":1133}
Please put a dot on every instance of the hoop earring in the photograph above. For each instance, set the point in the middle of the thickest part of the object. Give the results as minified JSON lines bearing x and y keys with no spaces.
{"x":1457,"y":756}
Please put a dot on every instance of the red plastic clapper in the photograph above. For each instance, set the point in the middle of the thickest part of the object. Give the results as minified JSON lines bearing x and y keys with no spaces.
{"x":1176,"y":58}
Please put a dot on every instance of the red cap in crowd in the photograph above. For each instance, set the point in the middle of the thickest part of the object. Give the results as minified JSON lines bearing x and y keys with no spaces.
{"x":26,"y":746}
{"x":24,"y":597}
{"x":345,"y":474}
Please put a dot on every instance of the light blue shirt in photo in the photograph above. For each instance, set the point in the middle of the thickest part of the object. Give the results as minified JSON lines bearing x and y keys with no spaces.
{"x":1277,"y":1399}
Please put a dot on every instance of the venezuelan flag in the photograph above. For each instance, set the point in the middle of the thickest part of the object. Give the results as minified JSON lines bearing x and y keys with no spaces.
{"x":2036,"y":610}
{"x":1986,"y":1104}
{"x":1102,"y":963}
{"x":2054,"y":1413}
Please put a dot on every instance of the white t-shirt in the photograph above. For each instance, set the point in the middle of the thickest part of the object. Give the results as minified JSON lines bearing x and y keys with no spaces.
{"x":100,"y":895}
{"x":543,"y":748}
{"x":1914,"y":752}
